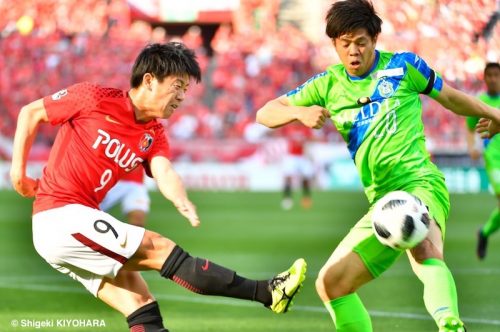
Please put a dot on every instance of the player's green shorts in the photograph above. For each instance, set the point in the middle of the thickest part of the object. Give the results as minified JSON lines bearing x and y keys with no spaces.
{"x":374,"y":254}
{"x":492,"y":166}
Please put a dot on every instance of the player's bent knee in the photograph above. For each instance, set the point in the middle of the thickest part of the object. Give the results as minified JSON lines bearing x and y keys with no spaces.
{"x":426,"y":250}
{"x":333,"y":282}
{"x":329,"y":289}
{"x":152,"y":252}
{"x":154,"y":242}
{"x":126,"y":292}
{"x":321,"y":289}
{"x":326,"y":284}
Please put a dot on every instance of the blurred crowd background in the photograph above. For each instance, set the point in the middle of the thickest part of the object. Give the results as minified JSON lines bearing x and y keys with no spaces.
{"x":250,"y":51}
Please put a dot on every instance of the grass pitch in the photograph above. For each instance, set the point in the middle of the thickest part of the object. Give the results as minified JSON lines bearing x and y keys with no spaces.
{"x":249,"y":232}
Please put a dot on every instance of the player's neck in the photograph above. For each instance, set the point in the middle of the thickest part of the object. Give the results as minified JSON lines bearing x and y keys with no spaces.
{"x":141,"y":116}
{"x":140,"y":113}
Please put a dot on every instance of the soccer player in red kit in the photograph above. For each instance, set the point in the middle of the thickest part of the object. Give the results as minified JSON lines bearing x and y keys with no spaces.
{"x":296,"y":164}
{"x":104,"y":134}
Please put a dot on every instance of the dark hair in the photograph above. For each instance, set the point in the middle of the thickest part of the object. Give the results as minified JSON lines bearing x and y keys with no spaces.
{"x":490,"y":65}
{"x":349,"y":15}
{"x":162,"y":60}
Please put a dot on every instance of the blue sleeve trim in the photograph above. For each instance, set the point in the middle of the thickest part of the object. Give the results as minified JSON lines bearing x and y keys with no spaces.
{"x":300,"y":87}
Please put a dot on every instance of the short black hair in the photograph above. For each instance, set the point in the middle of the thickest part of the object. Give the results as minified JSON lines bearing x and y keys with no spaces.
{"x":490,"y":65}
{"x":349,"y":15}
{"x":162,"y":60}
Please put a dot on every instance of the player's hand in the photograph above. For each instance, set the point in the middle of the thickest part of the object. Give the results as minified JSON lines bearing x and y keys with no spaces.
{"x":487,"y":128}
{"x":25,"y":185}
{"x":493,"y":128}
{"x":314,"y":117}
{"x":188,"y":210}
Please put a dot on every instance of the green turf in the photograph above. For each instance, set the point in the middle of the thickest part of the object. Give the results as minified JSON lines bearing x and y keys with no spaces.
{"x":251,"y":234}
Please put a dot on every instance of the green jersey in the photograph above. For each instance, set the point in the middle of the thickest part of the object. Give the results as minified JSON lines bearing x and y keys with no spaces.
{"x":379,"y":115}
{"x":492,"y":146}
{"x":494,"y":143}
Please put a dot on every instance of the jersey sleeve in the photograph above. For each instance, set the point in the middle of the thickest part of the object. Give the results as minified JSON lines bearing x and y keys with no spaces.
{"x":423,"y":78}
{"x":310,"y":93}
{"x":67,"y":103}
{"x":160,"y":147}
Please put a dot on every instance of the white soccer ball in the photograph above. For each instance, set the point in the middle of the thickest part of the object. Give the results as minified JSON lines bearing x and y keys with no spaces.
{"x":400,"y":220}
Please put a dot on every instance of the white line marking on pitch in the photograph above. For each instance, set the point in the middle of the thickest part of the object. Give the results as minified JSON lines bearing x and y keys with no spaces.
{"x":231,"y":302}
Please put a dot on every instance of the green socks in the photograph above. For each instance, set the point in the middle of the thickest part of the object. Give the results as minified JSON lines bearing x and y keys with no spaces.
{"x":440,"y":293}
{"x":440,"y":298}
{"x":349,"y":314}
{"x":493,"y":223}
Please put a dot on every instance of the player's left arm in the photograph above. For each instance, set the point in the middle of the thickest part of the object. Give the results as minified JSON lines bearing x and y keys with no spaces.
{"x":463,"y":104}
{"x":171,"y":186}
{"x":30,"y":117}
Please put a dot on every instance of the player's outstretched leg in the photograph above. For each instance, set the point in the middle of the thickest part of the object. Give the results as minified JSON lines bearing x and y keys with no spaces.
{"x":491,"y":226}
{"x":286,"y":285}
{"x":482,"y":244}
{"x":205,"y":277}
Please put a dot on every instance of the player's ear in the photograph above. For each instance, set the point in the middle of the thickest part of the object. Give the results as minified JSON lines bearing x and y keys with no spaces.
{"x":147,"y":80}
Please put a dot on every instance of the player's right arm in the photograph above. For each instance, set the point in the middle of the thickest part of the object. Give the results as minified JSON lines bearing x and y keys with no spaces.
{"x":28,"y":121}
{"x":278,"y":112}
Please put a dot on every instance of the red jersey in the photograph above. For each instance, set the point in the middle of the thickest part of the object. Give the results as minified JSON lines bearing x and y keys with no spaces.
{"x":135,"y":175}
{"x":98,"y":142}
{"x":297,"y":136}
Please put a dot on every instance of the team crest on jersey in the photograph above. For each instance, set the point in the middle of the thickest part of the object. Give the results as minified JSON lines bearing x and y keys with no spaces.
{"x":145,"y":142}
{"x":59,"y":94}
{"x":385,"y":89}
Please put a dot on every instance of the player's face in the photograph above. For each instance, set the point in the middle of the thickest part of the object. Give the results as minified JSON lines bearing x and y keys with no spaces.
{"x":492,"y":80}
{"x":168,"y":95}
{"x":356,"y":50}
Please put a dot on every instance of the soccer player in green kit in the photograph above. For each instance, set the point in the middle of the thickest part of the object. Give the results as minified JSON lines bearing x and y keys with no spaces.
{"x":372,"y":97}
{"x":491,"y":153}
